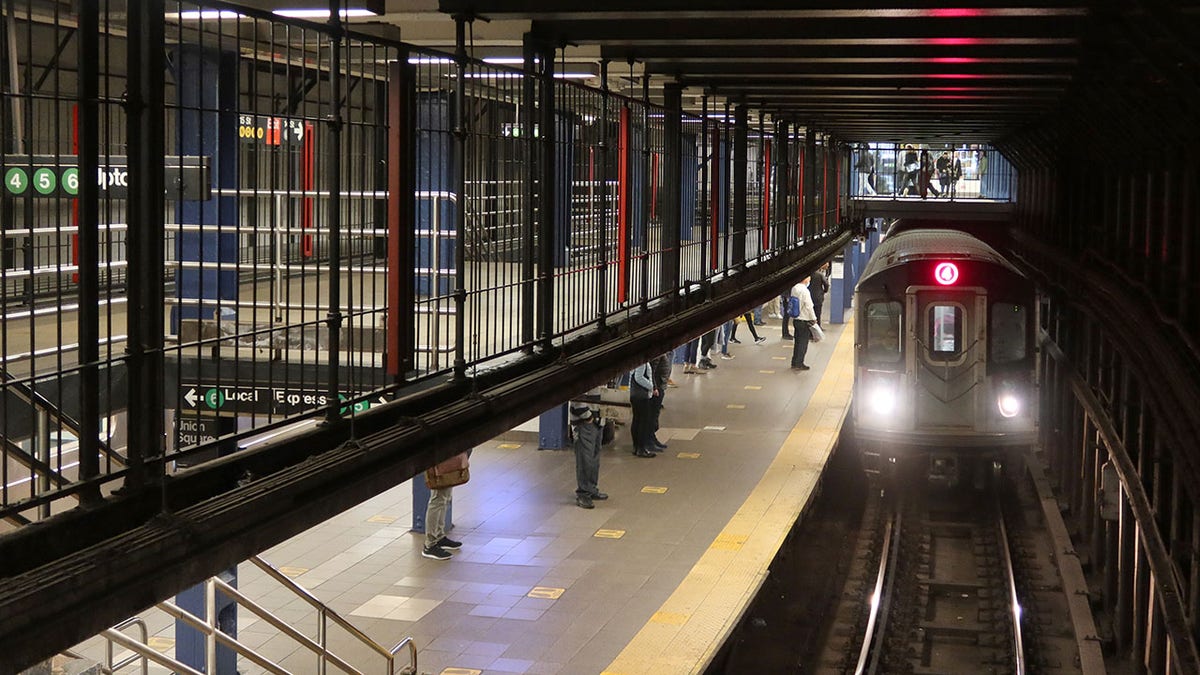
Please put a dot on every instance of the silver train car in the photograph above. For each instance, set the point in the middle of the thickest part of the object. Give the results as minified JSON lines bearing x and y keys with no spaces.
{"x":945,"y":357}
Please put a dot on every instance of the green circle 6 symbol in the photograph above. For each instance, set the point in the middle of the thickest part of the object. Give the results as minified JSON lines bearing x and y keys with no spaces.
{"x":16,"y":180}
{"x":214,"y":398}
{"x":70,"y":181}
{"x":44,"y":181}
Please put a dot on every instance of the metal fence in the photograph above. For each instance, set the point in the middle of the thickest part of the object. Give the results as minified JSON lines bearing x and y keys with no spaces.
{"x":290,"y":220}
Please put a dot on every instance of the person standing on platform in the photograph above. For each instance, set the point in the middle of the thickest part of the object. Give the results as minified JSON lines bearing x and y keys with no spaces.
{"x":818,"y":286}
{"x":784,"y":313}
{"x":441,"y":480}
{"x":661,"y":368}
{"x":641,"y":391}
{"x":750,"y":323}
{"x":585,"y":429}
{"x":805,"y":316}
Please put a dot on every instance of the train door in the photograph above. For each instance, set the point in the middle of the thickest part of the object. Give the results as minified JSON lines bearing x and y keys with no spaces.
{"x":948,"y":358}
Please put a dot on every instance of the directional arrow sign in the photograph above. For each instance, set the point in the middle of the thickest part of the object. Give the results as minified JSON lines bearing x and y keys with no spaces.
{"x":190,"y":397}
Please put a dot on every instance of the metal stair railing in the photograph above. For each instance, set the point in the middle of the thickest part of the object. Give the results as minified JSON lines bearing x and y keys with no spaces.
{"x":213,"y":635}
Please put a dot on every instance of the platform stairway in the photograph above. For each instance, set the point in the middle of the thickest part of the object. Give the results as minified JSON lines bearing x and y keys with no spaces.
{"x":132,"y":636}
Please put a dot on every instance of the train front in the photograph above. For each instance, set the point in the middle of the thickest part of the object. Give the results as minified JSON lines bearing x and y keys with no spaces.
{"x":945,"y":359}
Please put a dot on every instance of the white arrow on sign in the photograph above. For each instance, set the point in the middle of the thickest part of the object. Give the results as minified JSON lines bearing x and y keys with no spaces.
{"x":190,"y":397}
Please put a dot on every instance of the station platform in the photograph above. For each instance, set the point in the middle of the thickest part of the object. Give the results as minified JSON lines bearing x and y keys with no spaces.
{"x":650,"y":581}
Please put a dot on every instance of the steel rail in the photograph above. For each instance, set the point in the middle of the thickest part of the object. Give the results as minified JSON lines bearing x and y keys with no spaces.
{"x":1010,"y":581}
{"x":872,"y":645}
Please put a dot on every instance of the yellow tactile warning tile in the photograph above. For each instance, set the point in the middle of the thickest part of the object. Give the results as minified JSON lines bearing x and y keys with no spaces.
{"x":609,"y":534}
{"x":509,"y":446}
{"x":729,"y":542}
{"x":545,"y":592}
{"x":292,"y":572}
{"x":688,"y":455}
{"x":654,"y":490}
{"x":161,"y":644}
{"x":669,"y":618}
{"x":387,"y":520}
{"x":727,"y":577}
{"x":752,"y":387}
{"x":461,"y":671}
{"x":779,"y":358}
{"x":767,"y":372}
{"x":736,"y":406}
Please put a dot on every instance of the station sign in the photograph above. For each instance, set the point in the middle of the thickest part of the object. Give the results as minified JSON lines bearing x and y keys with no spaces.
{"x":261,"y":400}
{"x":57,"y":176}
{"x":271,"y":130}
{"x":190,"y":430}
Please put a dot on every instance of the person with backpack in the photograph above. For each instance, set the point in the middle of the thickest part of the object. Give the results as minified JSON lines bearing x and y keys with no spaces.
{"x":801,"y":307}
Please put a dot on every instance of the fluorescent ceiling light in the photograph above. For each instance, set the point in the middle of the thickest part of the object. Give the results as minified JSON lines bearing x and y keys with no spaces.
{"x":321,"y":13}
{"x":205,"y":14}
{"x":505,"y":60}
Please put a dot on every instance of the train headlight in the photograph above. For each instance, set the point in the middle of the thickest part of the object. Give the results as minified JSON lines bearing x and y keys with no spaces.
{"x":1009,"y":404}
{"x":883,"y":399}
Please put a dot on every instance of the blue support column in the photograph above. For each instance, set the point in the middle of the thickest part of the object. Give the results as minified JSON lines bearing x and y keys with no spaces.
{"x":552,"y":428}
{"x":206,"y":82}
{"x":437,"y":208}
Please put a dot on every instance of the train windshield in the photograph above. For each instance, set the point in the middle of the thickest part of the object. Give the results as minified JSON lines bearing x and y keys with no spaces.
{"x":945,"y":331}
{"x":883,"y":331}
{"x":1007,"y":332}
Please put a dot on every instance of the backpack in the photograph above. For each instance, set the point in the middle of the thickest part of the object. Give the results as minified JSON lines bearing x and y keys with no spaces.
{"x":793,"y":306}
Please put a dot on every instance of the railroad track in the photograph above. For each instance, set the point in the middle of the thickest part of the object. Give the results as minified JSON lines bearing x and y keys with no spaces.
{"x":941,"y":590}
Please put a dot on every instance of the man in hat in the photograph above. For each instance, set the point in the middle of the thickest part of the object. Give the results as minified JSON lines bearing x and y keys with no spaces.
{"x":585,"y":428}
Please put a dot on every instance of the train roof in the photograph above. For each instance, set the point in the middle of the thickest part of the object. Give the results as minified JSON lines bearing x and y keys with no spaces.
{"x":924,"y":244}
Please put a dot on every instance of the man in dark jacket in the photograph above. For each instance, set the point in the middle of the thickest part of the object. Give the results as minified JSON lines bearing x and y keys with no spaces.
{"x":818,"y":286}
{"x":661,"y":366}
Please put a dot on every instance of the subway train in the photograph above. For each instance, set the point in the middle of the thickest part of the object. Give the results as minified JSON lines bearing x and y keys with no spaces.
{"x":945,"y":358}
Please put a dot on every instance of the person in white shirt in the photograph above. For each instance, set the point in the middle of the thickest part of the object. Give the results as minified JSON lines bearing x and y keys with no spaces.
{"x":800,"y":323}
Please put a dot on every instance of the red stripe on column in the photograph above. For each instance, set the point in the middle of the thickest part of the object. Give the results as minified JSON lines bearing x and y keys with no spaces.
{"x":824,"y":189}
{"x":800,"y":198}
{"x":306,"y":183}
{"x":623,"y":207}
{"x":766,"y":213}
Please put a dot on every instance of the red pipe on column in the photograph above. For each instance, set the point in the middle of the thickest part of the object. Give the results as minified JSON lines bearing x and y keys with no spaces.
{"x":800,"y":198}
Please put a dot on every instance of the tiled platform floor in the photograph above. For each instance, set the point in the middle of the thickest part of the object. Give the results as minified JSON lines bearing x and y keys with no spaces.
{"x":540,"y":585}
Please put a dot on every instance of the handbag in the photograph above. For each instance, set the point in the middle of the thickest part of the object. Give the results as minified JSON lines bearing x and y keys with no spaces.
{"x":453,"y":471}
{"x":815,"y":333}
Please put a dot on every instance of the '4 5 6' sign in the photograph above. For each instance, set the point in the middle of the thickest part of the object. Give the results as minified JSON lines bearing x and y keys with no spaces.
{"x":185,"y":177}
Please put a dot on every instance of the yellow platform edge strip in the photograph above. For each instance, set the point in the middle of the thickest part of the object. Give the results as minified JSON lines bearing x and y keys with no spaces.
{"x":720,"y":586}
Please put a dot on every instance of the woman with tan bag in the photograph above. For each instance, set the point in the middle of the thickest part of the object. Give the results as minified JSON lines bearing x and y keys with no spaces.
{"x":441,"y":480}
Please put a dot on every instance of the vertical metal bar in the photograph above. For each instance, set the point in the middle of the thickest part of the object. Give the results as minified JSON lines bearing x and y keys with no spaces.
{"x":547,"y":242}
{"x":643,"y":224}
{"x":672,"y":190}
{"x":740,"y":139}
{"x":401,"y":260}
{"x":529,"y":240}
{"x":322,"y":639}
{"x":14,"y":79}
{"x":41,"y":450}
{"x":89,"y":246}
{"x":210,"y":615}
{"x":145,"y":236}
{"x":605,"y":96}
{"x":460,"y":187}
{"x":334,"y":165}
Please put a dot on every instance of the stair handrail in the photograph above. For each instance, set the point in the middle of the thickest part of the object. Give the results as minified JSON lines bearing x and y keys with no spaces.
{"x":325,"y":612}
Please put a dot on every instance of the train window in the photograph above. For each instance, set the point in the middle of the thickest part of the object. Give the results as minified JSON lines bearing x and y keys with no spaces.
{"x":945,"y":331}
{"x":883,"y":331}
{"x":1007,"y":333}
